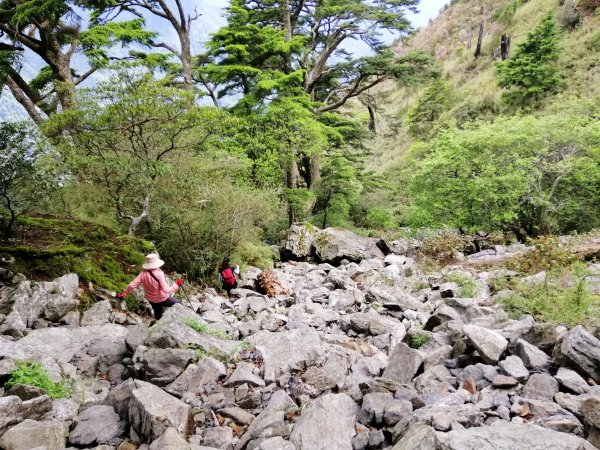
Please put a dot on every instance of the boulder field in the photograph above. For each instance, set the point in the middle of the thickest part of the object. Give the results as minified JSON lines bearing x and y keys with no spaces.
{"x":356,"y":349}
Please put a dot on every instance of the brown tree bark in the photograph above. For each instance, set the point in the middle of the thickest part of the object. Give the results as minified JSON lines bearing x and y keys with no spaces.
{"x":504,"y":47}
{"x":479,"y":40}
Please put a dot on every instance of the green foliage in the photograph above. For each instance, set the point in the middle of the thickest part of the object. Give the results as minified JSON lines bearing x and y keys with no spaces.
{"x":532,"y":72}
{"x":418,"y":340}
{"x":338,"y":190}
{"x":22,"y":177}
{"x":51,"y":247}
{"x":435,"y":100}
{"x":33,"y":374}
{"x":129,"y":144}
{"x":466,"y":283}
{"x":506,"y":13}
{"x":442,"y":247}
{"x":378,"y":218}
{"x":562,"y":298}
{"x":253,"y":254}
{"x":525,"y":175}
{"x":205,"y":329}
{"x":548,"y":254}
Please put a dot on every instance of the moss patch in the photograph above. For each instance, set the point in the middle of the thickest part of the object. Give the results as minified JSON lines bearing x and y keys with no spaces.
{"x":47,"y":247}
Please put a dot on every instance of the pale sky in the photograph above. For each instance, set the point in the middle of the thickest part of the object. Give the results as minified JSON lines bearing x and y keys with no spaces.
{"x":427,"y":10}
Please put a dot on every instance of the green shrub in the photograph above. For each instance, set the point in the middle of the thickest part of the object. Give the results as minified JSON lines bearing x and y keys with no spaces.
{"x":442,"y":248}
{"x":466,"y":283}
{"x":380,"y":219}
{"x":548,"y":254}
{"x":252,"y":254}
{"x":33,"y":374}
{"x":418,"y":340}
{"x":562,"y":298}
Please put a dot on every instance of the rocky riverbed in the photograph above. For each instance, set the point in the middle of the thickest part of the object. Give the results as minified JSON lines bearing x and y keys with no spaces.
{"x":358,"y":351}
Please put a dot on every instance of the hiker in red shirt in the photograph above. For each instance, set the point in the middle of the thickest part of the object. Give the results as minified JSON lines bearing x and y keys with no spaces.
{"x":155,"y":286}
{"x":227,"y":275}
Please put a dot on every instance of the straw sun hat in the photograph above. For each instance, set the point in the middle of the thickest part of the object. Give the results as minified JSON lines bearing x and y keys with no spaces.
{"x":152,"y":262}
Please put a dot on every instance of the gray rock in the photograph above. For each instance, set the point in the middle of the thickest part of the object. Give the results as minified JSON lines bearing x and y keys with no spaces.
{"x":540,"y":386}
{"x":196,"y":376}
{"x":244,"y":374}
{"x":288,"y":350}
{"x":28,"y":302}
{"x":572,"y":381}
{"x":98,"y":314}
{"x":30,"y":434}
{"x":272,"y":416}
{"x":13,"y":410}
{"x":276,"y":443}
{"x":173,"y":331}
{"x":404,"y":364}
{"x":239,"y":415}
{"x":531,"y":356}
{"x":298,"y":241}
{"x":326,"y":424}
{"x":25,"y":391}
{"x":510,"y":436}
{"x":152,"y":411}
{"x":163,"y":365}
{"x":217,"y":437}
{"x":590,"y":409}
{"x":333,"y":244}
{"x":98,"y":424}
{"x":373,"y":407}
{"x":170,"y":440}
{"x":396,"y":411}
{"x":120,"y":396}
{"x":514,"y":367}
{"x":418,"y":437}
{"x":580,"y":350}
{"x":489,"y":344}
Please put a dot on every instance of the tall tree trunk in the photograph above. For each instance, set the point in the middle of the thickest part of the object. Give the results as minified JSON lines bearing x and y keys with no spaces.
{"x":372,"y":122}
{"x":324,"y":224}
{"x":24,"y":100}
{"x":287,"y":25}
{"x":479,"y":40}
{"x":504,"y":47}
{"x":315,"y":169}
{"x":292,"y":176}
{"x":186,"y":58}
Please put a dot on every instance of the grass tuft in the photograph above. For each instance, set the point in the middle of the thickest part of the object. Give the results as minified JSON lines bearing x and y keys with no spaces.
{"x":33,"y":374}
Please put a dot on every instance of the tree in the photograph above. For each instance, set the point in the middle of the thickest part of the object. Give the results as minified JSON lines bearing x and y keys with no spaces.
{"x":173,"y":12}
{"x":524,"y":175}
{"x":434,"y":101}
{"x":269,"y":40}
{"x":22,"y":182}
{"x":532,"y":72}
{"x":51,"y":29}
{"x":128,"y":134}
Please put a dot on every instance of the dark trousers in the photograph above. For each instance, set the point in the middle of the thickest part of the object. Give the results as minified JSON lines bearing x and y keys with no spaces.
{"x":159,"y":307}
{"x":229,"y":287}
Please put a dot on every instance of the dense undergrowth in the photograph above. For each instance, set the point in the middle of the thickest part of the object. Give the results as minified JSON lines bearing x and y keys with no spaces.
{"x":45,"y":247}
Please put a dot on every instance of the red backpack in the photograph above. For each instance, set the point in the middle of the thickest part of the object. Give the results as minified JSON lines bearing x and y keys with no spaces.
{"x":228,"y":276}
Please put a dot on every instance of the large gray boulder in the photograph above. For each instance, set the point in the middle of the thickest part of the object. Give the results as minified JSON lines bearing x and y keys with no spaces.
{"x":99,"y":424}
{"x":170,"y":440}
{"x":288,"y":350}
{"x":196,"y":376}
{"x":163,"y":365}
{"x":298,"y":242}
{"x":31,"y":434}
{"x":571,"y":380}
{"x":173,"y":331}
{"x":30,"y":301}
{"x":61,"y":349}
{"x":326,"y":424}
{"x":404,"y":364}
{"x":152,"y":411}
{"x":510,"y":436}
{"x":580,"y":350}
{"x":489,"y":344}
{"x":13,"y":410}
{"x":531,"y":355}
{"x":334,"y":244}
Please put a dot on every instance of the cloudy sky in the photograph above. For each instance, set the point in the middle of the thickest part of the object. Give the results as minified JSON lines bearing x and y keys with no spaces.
{"x":427,"y":10}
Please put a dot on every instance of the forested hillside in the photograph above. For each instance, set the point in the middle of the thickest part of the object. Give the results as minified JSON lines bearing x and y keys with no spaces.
{"x":484,"y":121}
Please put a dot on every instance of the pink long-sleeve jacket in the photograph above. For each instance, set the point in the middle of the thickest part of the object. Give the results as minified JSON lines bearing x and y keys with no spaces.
{"x":153,"y":291}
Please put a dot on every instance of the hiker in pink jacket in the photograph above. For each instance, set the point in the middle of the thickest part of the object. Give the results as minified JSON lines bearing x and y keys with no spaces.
{"x":155,"y":286}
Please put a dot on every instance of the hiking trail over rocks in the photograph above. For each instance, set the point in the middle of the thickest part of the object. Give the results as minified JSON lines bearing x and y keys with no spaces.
{"x":358,"y":350}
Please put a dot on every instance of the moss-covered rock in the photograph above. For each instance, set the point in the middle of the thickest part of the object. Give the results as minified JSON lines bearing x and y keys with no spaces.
{"x":48,"y":247}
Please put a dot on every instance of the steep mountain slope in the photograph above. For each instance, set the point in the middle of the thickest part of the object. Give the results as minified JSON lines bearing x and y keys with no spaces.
{"x":473,"y":81}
